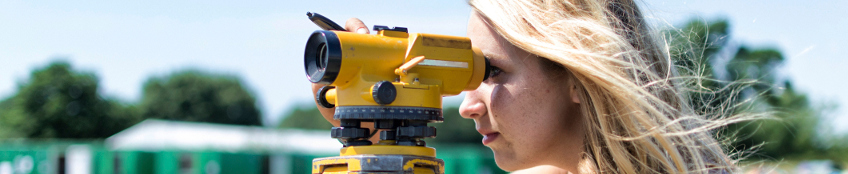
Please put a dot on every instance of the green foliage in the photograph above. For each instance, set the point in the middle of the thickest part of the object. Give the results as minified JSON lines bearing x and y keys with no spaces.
{"x":456,"y":129}
{"x":694,"y":46}
{"x":792,"y":135}
{"x":757,"y":64}
{"x":305,"y":118}
{"x":198,"y":96}
{"x":58,"y":102}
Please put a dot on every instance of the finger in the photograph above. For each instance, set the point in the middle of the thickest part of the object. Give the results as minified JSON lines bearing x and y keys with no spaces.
{"x":356,"y":25}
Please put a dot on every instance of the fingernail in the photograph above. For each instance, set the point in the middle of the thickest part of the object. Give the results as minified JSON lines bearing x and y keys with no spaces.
{"x":362,"y":31}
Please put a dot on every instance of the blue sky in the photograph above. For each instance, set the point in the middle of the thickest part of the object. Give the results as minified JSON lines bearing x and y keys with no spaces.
{"x":125,"y":42}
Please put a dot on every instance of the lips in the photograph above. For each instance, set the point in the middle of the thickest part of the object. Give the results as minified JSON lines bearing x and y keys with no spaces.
{"x":490,"y":137}
{"x":489,"y":134}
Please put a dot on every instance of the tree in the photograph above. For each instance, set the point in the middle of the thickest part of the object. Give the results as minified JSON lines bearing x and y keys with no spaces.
{"x":793,"y":134}
{"x":198,"y":96}
{"x":694,"y":48}
{"x":59,"y":102}
{"x":305,"y":118}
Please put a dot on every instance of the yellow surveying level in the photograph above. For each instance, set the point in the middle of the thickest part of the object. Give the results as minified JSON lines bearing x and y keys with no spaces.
{"x":394,"y":79}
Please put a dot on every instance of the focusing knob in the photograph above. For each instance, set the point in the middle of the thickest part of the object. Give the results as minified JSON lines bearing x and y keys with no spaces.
{"x":321,"y":98}
{"x":384,"y":92}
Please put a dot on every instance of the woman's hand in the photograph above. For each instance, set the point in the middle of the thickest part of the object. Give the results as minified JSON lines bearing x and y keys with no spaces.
{"x":352,"y":25}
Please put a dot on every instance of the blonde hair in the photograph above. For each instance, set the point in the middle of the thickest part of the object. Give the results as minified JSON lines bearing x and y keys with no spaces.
{"x":637,"y":118}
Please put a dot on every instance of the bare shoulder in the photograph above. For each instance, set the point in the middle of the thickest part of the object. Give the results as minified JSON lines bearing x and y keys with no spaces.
{"x":541,"y":169}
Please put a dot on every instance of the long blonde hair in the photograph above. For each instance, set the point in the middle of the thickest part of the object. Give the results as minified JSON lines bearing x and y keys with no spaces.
{"x":637,"y":118}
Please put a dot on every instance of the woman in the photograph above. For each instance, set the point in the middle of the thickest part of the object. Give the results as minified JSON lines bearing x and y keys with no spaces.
{"x":581,"y":86}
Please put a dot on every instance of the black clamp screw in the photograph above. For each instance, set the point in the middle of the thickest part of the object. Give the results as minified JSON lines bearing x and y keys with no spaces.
{"x":383,"y":27}
{"x":416,"y":132}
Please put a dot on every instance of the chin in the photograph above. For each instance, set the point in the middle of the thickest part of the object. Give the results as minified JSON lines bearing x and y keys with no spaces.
{"x":506,"y":160}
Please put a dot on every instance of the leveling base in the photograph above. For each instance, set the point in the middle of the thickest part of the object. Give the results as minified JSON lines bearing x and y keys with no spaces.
{"x":381,"y":159}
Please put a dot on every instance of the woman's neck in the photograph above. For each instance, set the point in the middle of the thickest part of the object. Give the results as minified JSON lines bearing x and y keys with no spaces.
{"x":584,"y":166}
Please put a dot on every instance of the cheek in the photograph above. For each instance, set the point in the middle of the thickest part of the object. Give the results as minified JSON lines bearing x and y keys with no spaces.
{"x":520,"y":111}
{"x":506,"y":109}
{"x":528,"y":121}
{"x":530,"y":116}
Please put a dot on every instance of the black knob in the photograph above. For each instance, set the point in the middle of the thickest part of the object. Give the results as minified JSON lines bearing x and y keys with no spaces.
{"x":321,"y":98}
{"x":384,"y":92}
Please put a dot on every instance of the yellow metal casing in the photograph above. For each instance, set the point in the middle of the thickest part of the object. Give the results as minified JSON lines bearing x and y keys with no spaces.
{"x":448,"y":68}
{"x":388,"y":150}
{"x":366,"y":159}
{"x":414,"y":70}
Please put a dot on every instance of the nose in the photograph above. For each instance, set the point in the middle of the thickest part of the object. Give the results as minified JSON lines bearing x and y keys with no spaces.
{"x":472,"y":106}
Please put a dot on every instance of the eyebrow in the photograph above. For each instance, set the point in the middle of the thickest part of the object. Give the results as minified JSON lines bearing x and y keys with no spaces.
{"x":489,"y":54}
{"x":496,"y":59}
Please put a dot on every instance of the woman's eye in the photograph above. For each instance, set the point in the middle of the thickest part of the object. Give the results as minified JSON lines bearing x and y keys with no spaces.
{"x":494,"y":72}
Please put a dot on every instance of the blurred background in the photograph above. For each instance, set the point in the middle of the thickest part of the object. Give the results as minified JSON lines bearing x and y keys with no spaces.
{"x":219,"y":87}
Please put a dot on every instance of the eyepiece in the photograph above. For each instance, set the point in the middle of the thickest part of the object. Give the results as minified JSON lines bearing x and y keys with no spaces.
{"x":488,"y":69}
{"x":323,"y":57}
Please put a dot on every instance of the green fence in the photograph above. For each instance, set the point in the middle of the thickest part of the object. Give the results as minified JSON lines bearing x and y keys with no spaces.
{"x":467,"y":159}
{"x":92,"y":157}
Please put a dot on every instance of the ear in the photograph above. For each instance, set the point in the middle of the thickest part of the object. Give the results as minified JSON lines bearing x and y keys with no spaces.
{"x":574,"y":95}
{"x":573,"y":90}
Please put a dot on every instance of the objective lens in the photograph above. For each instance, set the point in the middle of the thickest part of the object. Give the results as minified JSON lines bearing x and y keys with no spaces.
{"x":322,"y":56}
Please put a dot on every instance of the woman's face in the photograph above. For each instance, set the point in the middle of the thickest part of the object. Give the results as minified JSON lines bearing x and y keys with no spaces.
{"x":527,"y":115}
